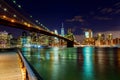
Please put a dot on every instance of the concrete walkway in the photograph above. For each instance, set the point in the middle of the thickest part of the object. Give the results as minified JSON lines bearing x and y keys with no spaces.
{"x":9,"y":67}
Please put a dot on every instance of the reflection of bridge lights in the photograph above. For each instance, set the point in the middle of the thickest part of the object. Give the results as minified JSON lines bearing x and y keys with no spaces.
{"x":27,"y":45}
{"x":39,"y":46}
{"x":56,"y":57}
{"x":55,"y":48}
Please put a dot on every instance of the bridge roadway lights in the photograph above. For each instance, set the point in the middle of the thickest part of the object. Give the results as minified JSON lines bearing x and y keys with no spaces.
{"x":70,"y":44}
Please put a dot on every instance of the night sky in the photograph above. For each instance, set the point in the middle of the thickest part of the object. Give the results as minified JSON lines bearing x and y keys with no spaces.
{"x":98,"y":15}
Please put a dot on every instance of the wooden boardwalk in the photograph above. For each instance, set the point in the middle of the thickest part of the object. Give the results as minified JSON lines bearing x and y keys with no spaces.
{"x":9,"y":66}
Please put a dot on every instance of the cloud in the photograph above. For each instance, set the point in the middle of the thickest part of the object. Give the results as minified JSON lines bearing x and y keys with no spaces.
{"x":117,"y":11}
{"x":117,"y":4}
{"x":106,"y":10}
{"x":102,"y":18}
{"x":76,"y":19}
{"x":92,"y":13}
{"x":70,"y":20}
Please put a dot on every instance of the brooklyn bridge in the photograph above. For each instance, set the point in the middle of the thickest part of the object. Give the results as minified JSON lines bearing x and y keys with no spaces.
{"x":10,"y":17}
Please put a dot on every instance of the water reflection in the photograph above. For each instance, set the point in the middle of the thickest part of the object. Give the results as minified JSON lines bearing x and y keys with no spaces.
{"x":87,"y":63}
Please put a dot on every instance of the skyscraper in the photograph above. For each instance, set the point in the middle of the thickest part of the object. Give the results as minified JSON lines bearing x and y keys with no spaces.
{"x":88,"y":34}
{"x":62,"y":30}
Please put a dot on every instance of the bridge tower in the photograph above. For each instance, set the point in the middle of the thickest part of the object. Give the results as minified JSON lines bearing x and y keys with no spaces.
{"x":71,"y":37}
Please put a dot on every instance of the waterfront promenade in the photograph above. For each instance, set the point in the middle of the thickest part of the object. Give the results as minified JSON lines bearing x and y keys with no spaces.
{"x":9,"y":66}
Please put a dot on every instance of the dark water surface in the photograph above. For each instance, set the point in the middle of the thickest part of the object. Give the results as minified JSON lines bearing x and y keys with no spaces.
{"x":87,"y":63}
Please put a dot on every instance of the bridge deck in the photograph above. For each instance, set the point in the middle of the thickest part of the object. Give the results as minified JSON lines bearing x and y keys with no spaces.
{"x":9,"y":67}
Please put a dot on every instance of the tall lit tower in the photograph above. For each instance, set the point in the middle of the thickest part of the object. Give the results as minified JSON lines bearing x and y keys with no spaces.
{"x":62,"y":30}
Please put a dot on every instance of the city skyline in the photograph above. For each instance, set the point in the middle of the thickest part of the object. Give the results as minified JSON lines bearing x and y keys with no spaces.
{"x":60,"y":40}
{"x":78,"y":14}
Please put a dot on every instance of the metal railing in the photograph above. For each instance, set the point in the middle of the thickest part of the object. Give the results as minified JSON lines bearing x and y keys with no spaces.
{"x":27,"y":72}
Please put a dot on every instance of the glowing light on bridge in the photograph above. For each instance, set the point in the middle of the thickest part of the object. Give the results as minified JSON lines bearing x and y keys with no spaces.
{"x":12,"y":20}
{"x":31,"y":16}
{"x":19,"y":6}
{"x":4,"y":16}
{"x":28,"y":25}
{"x":5,"y":9}
{"x":39,"y":23}
{"x":36,"y":21}
{"x":14,"y":15}
{"x":25,"y":23}
{"x":14,"y":2}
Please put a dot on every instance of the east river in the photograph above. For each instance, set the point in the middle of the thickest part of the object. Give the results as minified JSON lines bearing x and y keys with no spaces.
{"x":84,"y":63}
